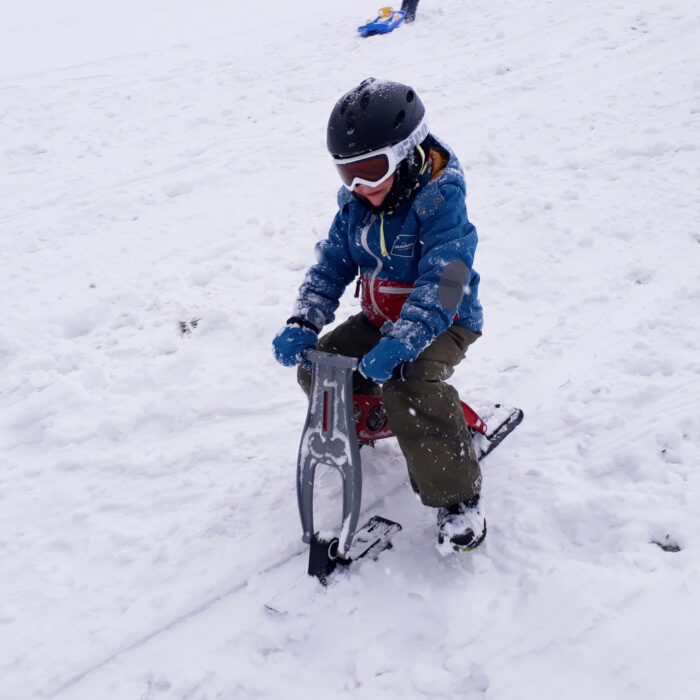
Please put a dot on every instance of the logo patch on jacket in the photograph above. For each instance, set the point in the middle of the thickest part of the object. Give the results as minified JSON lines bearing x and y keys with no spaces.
{"x":404,"y":245}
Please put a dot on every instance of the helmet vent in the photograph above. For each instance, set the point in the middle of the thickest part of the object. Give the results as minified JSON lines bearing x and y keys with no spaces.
{"x":364,"y":101}
{"x":400,"y":117}
{"x":350,"y":124}
{"x":410,"y":96}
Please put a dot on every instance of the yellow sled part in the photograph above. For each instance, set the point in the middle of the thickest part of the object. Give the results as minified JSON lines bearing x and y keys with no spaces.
{"x":383,"y":12}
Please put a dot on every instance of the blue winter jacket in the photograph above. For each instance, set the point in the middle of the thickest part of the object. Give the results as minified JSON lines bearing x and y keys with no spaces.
{"x":415,"y":263}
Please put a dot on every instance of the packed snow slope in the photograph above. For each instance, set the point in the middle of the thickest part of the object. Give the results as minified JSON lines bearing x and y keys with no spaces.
{"x":164,"y":180}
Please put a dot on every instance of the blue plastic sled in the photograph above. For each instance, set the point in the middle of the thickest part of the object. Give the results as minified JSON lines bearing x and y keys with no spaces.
{"x":387,"y":20}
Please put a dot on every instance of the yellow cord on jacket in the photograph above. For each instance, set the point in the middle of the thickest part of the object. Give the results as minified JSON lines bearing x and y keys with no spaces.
{"x":382,"y":241}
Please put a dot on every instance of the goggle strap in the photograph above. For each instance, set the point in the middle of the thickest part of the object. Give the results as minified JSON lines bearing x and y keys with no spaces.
{"x":424,"y":167}
{"x":415,"y":138}
{"x":400,"y":149}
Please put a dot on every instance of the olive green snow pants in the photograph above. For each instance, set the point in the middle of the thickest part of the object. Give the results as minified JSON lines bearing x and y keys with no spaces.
{"x":424,"y":411}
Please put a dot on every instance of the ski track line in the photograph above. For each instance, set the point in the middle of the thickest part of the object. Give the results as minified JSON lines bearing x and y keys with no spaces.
{"x":194,"y":612}
{"x":669,"y":406}
{"x":632,"y":434}
{"x":225,"y":39}
{"x":189,"y":168}
{"x":180,"y":619}
{"x":583,"y":48}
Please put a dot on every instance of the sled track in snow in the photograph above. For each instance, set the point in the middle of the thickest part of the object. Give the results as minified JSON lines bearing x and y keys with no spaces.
{"x":74,"y":680}
{"x":203,"y":607}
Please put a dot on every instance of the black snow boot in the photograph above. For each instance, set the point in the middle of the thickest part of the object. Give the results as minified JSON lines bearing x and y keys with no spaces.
{"x":461,"y":527}
{"x":409,"y":7}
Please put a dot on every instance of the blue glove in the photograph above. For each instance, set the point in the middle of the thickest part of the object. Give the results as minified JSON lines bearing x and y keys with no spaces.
{"x":378,"y":364}
{"x":290,"y":343}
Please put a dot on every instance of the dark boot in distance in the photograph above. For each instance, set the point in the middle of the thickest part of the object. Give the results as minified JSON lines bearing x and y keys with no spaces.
{"x":409,"y":7}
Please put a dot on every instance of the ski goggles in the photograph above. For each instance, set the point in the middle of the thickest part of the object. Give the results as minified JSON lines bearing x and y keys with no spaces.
{"x":378,"y":166}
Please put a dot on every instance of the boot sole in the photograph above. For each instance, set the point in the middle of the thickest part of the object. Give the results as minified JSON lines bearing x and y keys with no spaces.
{"x":471,"y":547}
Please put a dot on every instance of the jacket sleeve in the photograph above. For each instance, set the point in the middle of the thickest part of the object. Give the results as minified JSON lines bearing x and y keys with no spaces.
{"x":326,"y":281}
{"x":448,"y":244}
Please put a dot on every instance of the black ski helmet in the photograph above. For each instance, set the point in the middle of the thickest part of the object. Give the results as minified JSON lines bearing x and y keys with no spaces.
{"x":374,"y":114}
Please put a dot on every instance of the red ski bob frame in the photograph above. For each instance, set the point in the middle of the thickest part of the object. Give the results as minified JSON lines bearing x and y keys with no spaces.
{"x":372,"y":424}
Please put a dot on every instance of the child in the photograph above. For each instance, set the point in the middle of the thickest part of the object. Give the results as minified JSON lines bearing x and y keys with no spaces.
{"x":402,"y":223}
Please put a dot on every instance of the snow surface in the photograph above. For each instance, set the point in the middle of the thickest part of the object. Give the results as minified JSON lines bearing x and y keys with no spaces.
{"x":164,"y":167}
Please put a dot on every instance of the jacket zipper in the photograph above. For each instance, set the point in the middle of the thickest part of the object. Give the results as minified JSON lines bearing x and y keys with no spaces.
{"x":382,"y":241}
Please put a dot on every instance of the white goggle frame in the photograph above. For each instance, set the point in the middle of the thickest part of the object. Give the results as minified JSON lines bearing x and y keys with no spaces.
{"x":394,"y":153}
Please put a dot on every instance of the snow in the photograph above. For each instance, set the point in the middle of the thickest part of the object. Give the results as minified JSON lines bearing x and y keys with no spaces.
{"x":164,"y":163}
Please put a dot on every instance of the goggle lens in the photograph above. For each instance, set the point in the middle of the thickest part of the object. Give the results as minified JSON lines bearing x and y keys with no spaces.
{"x":371,"y":169}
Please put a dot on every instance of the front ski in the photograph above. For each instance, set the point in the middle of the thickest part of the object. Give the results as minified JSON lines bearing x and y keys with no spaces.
{"x":368,"y":542}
